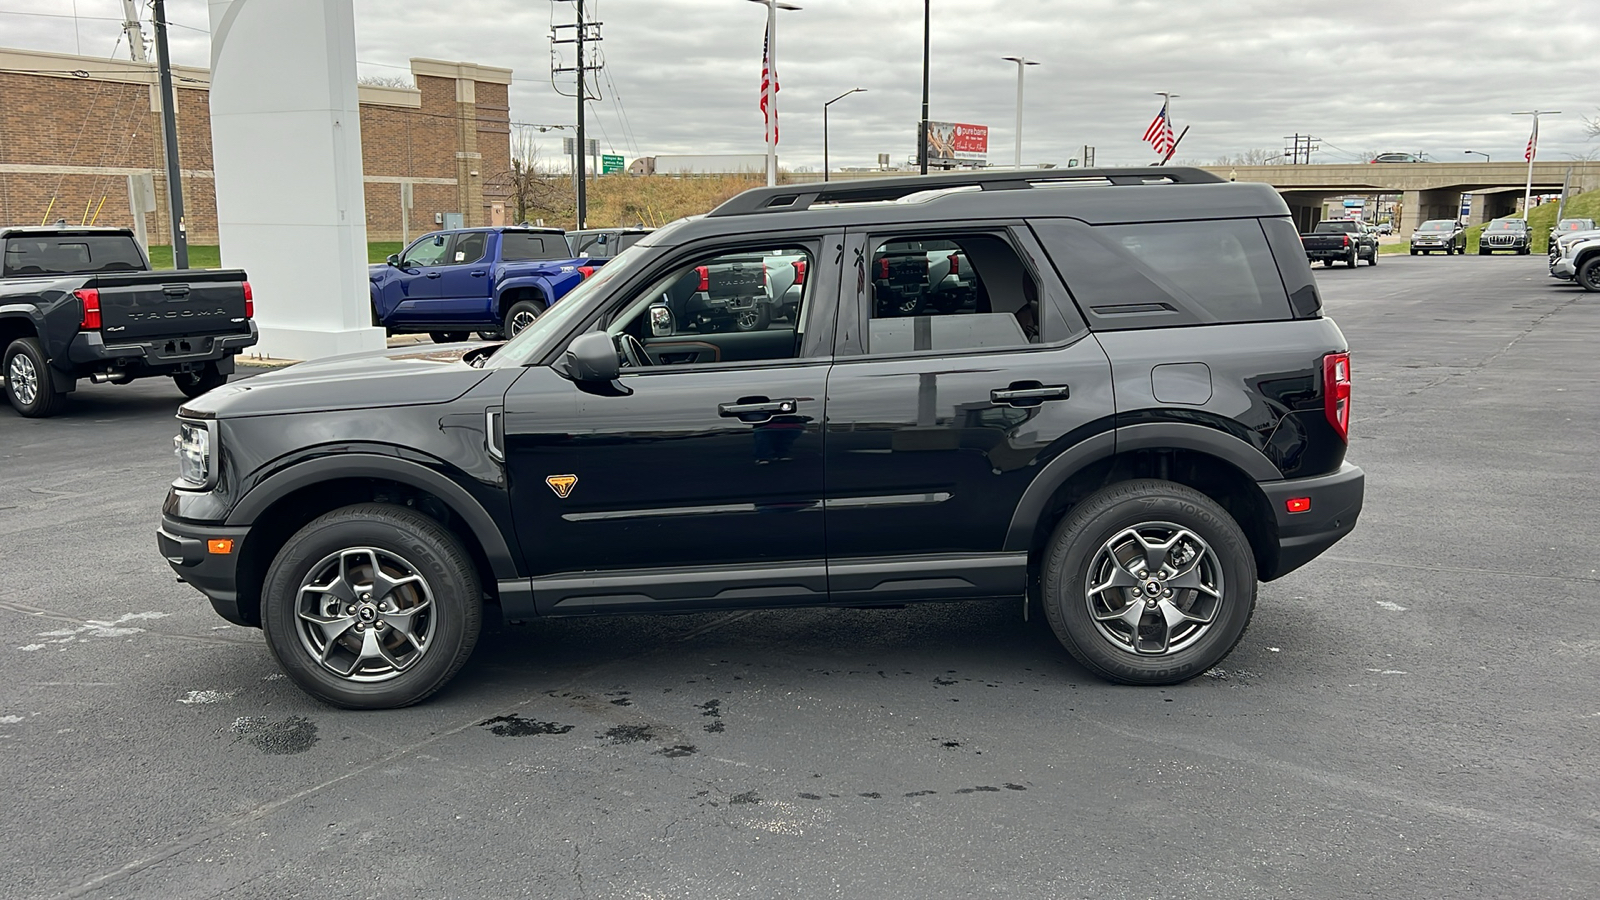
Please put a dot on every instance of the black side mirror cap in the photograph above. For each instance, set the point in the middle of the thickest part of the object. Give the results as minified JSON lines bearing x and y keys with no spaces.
{"x":393,"y":260}
{"x":591,"y":358}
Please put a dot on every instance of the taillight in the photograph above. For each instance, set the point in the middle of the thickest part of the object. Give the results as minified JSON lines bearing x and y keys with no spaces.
{"x":90,"y":298}
{"x":1336,"y":392}
{"x":799,"y":271}
{"x":1347,"y":240}
{"x":705,"y":277}
{"x":586,"y":271}
{"x":955,"y":264}
{"x":249,"y":302}
{"x":883,"y":267}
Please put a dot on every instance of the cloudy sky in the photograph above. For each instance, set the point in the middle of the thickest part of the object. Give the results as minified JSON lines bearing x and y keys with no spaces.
{"x":1438,"y":78}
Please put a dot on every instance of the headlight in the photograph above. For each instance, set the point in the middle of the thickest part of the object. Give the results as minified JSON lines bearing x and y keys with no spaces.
{"x":195,"y":450}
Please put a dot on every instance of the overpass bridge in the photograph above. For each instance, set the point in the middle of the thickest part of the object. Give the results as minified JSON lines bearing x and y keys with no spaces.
{"x":1426,"y":190}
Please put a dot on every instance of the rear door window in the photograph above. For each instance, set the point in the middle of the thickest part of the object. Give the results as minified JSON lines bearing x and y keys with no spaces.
{"x":1163,"y":274}
{"x":942,"y":293}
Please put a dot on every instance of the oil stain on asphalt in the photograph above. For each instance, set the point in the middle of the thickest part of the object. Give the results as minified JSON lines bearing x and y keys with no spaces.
{"x":276,"y":737}
{"x":517,"y":726}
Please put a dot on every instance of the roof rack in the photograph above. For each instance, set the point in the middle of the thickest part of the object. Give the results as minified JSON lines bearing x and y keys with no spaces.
{"x":796,"y":197}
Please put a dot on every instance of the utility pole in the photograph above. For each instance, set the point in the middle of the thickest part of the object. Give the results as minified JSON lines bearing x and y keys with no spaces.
{"x":169,"y":133}
{"x":583,"y":33}
{"x":130,"y":27}
{"x":1021,"y":63}
{"x":1533,"y":152}
{"x":1302,"y":145}
{"x":922,"y":132}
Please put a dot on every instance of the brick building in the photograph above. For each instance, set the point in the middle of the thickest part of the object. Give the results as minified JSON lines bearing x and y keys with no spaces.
{"x":73,"y":129}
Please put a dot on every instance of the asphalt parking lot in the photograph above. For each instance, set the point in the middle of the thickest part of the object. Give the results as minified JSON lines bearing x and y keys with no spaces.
{"x":1412,"y":715}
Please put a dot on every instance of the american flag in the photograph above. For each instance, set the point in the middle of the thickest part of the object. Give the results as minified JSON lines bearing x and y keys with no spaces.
{"x":1533,"y":141}
{"x":1159,"y":134}
{"x":769,"y":117}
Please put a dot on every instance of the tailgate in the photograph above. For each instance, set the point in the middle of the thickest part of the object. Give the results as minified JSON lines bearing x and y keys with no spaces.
{"x":1324,"y":241}
{"x":737,"y":279}
{"x":182,"y":303}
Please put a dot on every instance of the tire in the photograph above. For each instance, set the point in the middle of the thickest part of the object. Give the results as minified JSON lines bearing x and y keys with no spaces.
{"x":449,"y":337}
{"x":490,"y":336}
{"x":522,"y":314}
{"x":29,"y":386}
{"x":1373,"y":259}
{"x":753,"y":318}
{"x":1413,"y":253}
{"x":193,"y":384}
{"x":1484,"y":251}
{"x":1135,"y":514}
{"x":1588,"y":274}
{"x":443,"y":606}
{"x":1524,"y":251}
{"x":1353,"y":258}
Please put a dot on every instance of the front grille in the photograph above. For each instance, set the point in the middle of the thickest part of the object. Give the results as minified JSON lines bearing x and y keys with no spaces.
{"x":1502,"y":240}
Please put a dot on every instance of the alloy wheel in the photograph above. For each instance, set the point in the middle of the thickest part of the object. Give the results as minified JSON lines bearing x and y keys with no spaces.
{"x":1154,"y":589}
{"x":24,"y":379}
{"x":364,"y":614}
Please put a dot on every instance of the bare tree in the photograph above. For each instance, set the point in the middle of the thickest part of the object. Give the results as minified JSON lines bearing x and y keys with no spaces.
{"x":534,"y":192}
{"x":1591,"y":126}
{"x":394,"y":81}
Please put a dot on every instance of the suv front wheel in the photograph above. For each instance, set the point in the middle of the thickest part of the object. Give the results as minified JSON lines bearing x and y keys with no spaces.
{"x":1149,"y":582}
{"x":372,"y":606}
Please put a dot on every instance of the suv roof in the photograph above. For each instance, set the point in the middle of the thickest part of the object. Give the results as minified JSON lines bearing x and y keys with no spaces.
{"x":64,"y":229}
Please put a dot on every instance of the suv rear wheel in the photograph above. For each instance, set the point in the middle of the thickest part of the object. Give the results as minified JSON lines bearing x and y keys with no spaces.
{"x":522,"y":314}
{"x":1149,"y":582}
{"x":372,"y":606}
{"x":193,"y":384}
{"x":28,"y":383}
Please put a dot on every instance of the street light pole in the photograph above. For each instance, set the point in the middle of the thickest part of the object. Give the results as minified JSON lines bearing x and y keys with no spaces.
{"x":922,"y":131}
{"x":825,"y":127}
{"x":772,"y":85}
{"x":1533,"y":152}
{"x":169,"y":135}
{"x":1477,"y":153}
{"x":1021,"y":63}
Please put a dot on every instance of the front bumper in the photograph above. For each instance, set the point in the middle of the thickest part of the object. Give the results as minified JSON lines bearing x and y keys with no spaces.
{"x":187,"y":548}
{"x":1562,"y":268}
{"x":1335,"y":506}
{"x":89,"y":348}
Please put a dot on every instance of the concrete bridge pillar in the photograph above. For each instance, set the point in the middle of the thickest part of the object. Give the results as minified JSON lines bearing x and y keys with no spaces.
{"x":1417,"y":207}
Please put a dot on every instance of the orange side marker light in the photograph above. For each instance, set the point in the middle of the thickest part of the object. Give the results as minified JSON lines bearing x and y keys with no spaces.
{"x":220,"y":546}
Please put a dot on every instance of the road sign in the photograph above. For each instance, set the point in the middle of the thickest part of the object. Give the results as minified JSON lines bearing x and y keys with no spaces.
{"x":610,"y":164}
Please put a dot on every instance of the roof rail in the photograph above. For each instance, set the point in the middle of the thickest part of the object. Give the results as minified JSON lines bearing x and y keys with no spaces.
{"x":796,"y":197}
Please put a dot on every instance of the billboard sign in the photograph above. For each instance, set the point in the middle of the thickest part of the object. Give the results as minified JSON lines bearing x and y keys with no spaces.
{"x":956,"y":142}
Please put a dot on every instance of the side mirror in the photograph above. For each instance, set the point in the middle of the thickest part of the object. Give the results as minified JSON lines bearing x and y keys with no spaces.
{"x":591,"y":357}
{"x":661,"y":324}
{"x":393,"y":260}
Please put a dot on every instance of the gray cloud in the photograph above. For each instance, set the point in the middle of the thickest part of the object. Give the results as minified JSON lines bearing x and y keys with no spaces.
{"x":1438,"y":78}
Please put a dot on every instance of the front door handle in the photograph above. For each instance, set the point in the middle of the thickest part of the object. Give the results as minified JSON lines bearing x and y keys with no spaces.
{"x":758,"y":409}
{"x":478,"y":272}
{"x":433,"y":274}
{"x":1030,"y":393}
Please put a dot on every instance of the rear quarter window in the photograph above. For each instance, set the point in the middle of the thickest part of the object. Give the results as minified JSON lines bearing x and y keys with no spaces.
{"x":1167,"y":274}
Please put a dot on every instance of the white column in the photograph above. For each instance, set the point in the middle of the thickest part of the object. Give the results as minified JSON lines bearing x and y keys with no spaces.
{"x":286,"y":150}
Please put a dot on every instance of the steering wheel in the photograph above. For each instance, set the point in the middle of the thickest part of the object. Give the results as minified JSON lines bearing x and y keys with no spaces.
{"x":633,"y":351}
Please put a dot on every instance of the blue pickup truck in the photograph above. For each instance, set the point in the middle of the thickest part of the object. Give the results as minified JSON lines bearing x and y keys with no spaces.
{"x":495,"y":281}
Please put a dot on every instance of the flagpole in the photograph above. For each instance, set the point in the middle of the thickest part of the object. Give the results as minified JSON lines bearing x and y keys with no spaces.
{"x":1166,"y":107}
{"x":771,"y":63}
{"x":1533,"y":152}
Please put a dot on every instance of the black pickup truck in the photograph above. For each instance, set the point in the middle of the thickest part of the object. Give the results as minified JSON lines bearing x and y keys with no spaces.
{"x":83,"y":303}
{"x":1342,"y":240}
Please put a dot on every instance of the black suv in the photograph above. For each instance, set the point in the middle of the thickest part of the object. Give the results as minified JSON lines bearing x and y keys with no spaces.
{"x":1141,"y":414}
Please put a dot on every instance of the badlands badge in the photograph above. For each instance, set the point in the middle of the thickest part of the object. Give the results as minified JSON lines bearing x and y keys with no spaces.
{"x":561,"y":484}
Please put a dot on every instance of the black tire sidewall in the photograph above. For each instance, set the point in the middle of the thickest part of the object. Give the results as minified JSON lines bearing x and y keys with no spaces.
{"x":193,"y":384}
{"x":532,"y":306}
{"x":1588,"y":276}
{"x":48,"y":399}
{"x":1094,"y":521}
{"x":438,"y":557}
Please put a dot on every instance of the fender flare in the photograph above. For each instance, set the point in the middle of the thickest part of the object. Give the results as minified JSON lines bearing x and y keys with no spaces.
{"x":542,"y":285}
{"x":1142,"y":436}
{"x":372,"y":465}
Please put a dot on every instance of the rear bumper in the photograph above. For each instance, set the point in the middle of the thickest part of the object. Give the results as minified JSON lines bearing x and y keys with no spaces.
{"x":1335,"y":506}
{"x":186,"y":548}
{"x":89,"y":349}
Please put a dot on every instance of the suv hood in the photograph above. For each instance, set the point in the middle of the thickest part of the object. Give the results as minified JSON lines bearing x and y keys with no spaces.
{"x":398,"y":376}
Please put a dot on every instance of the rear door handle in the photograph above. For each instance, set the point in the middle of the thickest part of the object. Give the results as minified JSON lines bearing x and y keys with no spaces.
{"x":1033,"y":395}
{"x":478,"y":272}
{"x":758,"y":409}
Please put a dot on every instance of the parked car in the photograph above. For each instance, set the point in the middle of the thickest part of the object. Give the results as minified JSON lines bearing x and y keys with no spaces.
{"x":1568,"y":226}
{"x":1144,"y":414}
{"x":1506,"y":234}
{"x":496,"y":281}
{"x":1396,"y":158}
{"x":601,"y":244}
{"x":1386,"y":228}
{"x":1341,"y":240}
{"x":83,"y":303}
{"x":1439,"y":234}
{"x":1575,"y":256}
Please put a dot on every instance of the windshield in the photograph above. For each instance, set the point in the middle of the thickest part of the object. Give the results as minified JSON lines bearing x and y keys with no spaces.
{"x":1441,"y":225}
{"x":519,"y":350}
{"x":1506,"y":225}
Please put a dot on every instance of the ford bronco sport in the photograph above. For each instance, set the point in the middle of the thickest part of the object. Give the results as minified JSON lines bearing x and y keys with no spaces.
{"x":1141,"y":413}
